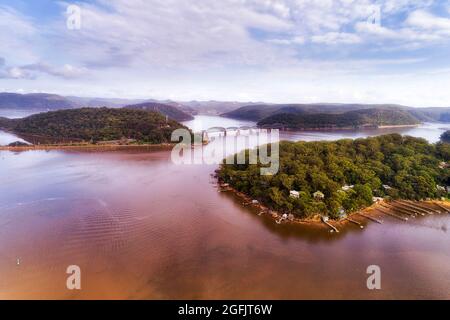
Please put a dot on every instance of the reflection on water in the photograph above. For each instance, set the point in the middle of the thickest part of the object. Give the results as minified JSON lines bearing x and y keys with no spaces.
{"x":17,"y":113}
{"x":429,"y":131}
{"x":142,"y":227}
{"x":7,"y":138}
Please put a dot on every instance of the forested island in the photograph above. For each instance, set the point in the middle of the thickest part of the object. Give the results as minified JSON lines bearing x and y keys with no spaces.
{"x":94,"y":125}
{"x":168,"y":110}
{"x":259,"y":112}
{"x":341,"y":177}
{"x":365,"y":118}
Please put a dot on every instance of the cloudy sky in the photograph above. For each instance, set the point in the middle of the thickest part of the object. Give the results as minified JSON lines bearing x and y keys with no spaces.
{"x":386,"y":51}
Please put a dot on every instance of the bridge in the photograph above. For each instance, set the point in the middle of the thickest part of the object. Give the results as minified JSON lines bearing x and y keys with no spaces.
{"x":237,"y":131}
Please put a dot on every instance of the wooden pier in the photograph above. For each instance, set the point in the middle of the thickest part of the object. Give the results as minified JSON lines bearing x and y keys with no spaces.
{"x":355,"y":222}
{"x":402,"y":210}
{"x":442,"y":207}
{"x":392,"y":214}
{"x":333,"y":228}
{"x":407,"y":206}
{"x":417,"y":207}
{"x":370,"y":218}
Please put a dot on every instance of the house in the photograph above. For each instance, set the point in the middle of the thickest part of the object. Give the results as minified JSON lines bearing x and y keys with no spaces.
{"x":294,"y":194}
{"x":318,"y":195}
{"x":377,"y":199}
{"x":441,"y":188}
{"x":346,"y":187}
{"x":443,"y":165}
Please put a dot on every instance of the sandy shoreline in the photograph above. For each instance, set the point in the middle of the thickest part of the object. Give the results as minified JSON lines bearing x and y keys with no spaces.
{"x":330,"y":129}
{"x":358,"y":217}
{"x":92,"y":147}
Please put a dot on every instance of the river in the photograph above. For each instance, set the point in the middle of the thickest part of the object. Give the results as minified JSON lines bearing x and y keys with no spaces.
{"x":142,"y":227}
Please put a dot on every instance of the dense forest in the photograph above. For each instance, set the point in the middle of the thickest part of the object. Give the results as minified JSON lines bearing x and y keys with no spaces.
{"x":345,"y":175}
{"x":350,"y":119}
{"x":95,"y":124}
{"x":168,"y":110}
{"x":258,"y":112}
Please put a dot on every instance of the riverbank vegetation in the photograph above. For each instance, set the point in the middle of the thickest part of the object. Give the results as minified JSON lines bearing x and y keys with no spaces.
{"x":332,"y":178}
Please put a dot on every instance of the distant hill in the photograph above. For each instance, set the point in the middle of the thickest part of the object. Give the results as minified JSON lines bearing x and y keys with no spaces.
{"x":34,"y":101}
{"x":167,"y":110}
{"x":213,"y":107}
{"x":93,"y":102}
{"x":351,"y":119}
{"x":97,"y":124}
{"x":260,"y":111}
{"x":253,"y":111}
{"x":431,"y":114}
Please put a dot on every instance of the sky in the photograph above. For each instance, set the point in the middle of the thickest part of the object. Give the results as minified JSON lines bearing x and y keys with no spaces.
{"x":279,"y":51}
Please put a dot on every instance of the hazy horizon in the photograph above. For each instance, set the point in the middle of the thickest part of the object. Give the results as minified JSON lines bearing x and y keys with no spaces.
{"x":131,"y":100}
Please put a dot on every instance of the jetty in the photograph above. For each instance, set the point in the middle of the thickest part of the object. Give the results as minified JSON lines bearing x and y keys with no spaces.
{"x":333,"y":228}
{"x":355,"y":222}
{"x":392,"y":214}
{"x":442,"y":207}
{"x":417,"y":207}
{"x":370,"y":218}
{"x":402,"y":210}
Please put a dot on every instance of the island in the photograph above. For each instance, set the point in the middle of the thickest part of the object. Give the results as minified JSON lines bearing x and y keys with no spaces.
{"x":357,"y":119}
{"x":94,"y":127}
{"x":445,"y":137}
{"x":335,"y":179}
{"x":168,"y":110}
{"x":257,"y":112}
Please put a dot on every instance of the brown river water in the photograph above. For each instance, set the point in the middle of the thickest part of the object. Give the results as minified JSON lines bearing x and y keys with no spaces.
{"x":141,"y":227}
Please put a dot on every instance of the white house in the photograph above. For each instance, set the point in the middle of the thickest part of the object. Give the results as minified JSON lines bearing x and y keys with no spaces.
{"x":377,"y":199}
{"x":346,"y":187}
{"x":318,"y":195}
{"x":294,"y":194}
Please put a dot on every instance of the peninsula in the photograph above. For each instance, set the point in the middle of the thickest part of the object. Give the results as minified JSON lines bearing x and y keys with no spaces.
{"x":93,"y":126}
{"x":336,"y":179}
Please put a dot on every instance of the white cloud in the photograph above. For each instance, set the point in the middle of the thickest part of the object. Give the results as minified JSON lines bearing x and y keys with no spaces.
{"x":297,"y":40}
{"x":336,"y":38}
{"x":426,"y":21}
{"x":173,"y":33}
{"x":14,"y":73}
{"x":17,"y":35}
{"x":67,"y":71}
{"x":420,"y":28}
{"x":274,"y":50}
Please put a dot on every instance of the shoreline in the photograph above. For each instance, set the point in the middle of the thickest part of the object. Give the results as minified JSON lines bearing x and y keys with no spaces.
{"x":367,"y":213}
{"x":330,"y":129}
{"x":91,"y":147}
